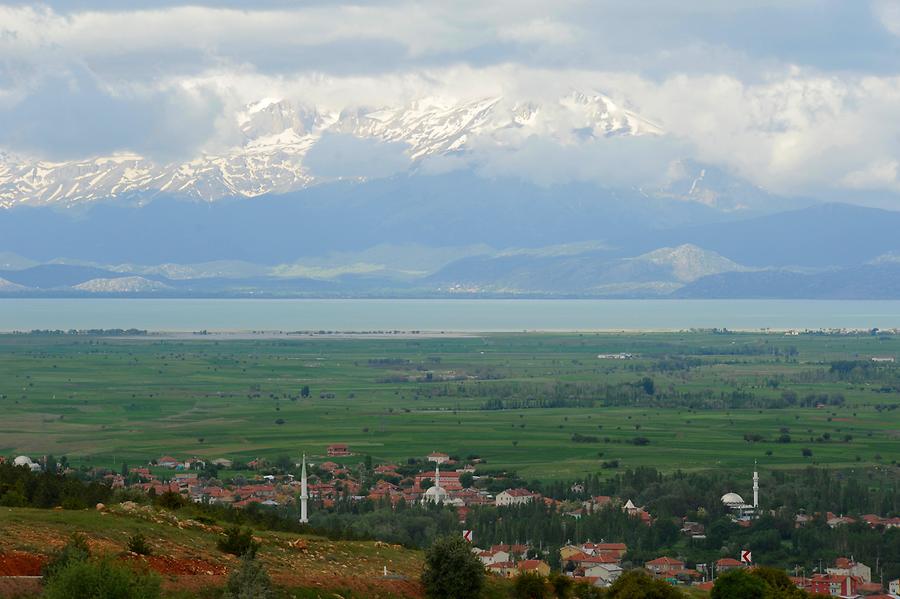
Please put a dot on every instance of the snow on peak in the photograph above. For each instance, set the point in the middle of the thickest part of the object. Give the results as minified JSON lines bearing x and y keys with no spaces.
{"x":277,"y":134}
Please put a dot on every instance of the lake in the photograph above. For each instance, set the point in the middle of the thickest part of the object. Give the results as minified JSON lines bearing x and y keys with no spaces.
{"x":464,"y":315}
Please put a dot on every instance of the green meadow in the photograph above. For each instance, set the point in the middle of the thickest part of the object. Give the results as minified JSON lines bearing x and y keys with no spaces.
{"x":105,"y":401}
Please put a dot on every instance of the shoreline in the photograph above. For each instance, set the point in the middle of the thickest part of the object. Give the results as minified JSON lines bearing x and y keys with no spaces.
{"x":244,"y":334}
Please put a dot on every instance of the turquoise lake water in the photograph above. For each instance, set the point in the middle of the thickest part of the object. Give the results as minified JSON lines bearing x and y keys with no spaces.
{"x":441,"y":315}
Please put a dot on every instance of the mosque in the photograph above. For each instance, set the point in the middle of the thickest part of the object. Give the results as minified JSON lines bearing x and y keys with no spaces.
{"x":740,"y":509}
{"x":437,"y":494}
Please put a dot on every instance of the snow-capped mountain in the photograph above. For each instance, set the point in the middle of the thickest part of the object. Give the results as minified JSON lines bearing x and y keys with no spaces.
{"x":277,"y":135}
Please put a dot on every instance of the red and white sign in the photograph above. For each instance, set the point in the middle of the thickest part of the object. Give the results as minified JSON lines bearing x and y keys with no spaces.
{"x":467,"y":535}
{"x":746,"y":557}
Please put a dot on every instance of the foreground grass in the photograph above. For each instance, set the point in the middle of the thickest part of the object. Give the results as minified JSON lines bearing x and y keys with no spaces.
{"x":318,"y":565}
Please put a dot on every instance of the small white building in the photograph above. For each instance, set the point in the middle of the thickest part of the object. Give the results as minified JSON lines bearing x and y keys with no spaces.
{"x":894,"y":587}
{"x":493,"y":557}
{"x":606,"y":574}
{"x":513,"y":497}
{"x":438,"y":458}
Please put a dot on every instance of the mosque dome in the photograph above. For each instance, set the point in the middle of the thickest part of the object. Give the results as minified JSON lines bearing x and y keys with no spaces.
{"x":436,"y":494}
{"x":732,"y":499}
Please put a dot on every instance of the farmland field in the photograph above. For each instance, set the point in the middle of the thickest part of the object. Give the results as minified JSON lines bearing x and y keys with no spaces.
{"x":545,"y":405}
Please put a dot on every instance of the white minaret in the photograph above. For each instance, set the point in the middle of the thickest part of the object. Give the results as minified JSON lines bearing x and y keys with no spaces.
{"x":755,"y":486}
{"x":437,"y":475}
{"x":304,"y":495}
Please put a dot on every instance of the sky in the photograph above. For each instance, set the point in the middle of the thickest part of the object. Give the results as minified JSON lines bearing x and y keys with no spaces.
{"x":799,"y":97}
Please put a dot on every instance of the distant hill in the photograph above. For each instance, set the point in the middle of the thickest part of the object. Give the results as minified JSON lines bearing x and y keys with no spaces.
{"x":877,"y":281}
{"x":819,"y":236}
{"x":121,"y":285}
{"x":592,"y":273}
{"x":48,"y":276}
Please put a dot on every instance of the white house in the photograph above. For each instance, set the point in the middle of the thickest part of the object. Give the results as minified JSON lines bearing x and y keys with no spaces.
{"x":606,"y":574}
{"x":438,"y":458}
{"x":514,"y":497}
{"x":493,"y":557}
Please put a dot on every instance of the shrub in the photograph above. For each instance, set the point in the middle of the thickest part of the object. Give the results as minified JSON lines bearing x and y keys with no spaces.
{"x":249,"y":581}
{"x":138,"y":544}
{"x":101,"y":578}
{"x":171,"y":501}
{"x":637,"y":585}
{"x":530,"y":585}
{"x":451,"y":570}
{"x":76,"y":550}
{"x":238,"y":541}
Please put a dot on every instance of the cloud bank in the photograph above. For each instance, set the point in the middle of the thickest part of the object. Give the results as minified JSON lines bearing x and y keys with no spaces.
{"x":800,"y":97}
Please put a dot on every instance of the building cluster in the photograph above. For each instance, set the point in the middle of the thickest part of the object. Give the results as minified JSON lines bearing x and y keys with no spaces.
{"x":508,"y":561}
{"x":599,"y":564}
{"x":846,"y":578}
{"x":328,"y":482}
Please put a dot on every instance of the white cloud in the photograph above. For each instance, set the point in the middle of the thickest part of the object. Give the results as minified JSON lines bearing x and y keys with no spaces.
{"x":881,"y":175}
{"x":888,"y":11}
{"x":744,"y":102}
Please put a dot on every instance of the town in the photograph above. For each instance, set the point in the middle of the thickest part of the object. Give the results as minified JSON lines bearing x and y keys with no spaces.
{"x":439,"y":481}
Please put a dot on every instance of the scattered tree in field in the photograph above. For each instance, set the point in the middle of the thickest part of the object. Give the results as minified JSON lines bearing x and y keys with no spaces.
{"x":138,"y":544}
{"x":452,"y":571}
{"x":171,"y":500}
{"x":249,"y":581}
{"x":76,"y":550}
{"x":238,"y":541}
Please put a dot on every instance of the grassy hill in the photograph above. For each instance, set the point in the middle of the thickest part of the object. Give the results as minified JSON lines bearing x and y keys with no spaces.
{"x":186,"y":556}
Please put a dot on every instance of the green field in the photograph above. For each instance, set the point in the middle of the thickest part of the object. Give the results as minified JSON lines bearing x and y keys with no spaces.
{"x":104,"y":401}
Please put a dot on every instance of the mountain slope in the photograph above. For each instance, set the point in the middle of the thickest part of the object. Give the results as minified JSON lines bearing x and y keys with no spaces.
{"x":863,"y":282}
{"x":818,"y":236}
{"x":451,"y":210}
{"x":276,"y":136}
{"x":594,"y":273}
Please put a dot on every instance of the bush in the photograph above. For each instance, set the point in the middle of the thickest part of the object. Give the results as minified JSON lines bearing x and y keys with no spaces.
{"x":238,"y":541}
{"x":249,"y":581}
{"x":451,"y":570}
{"x":101,"y":578}
{"x":530,"y":585}
{"x":585,"y":590}
{"x":138,"y":544}
{"x":76,"y":550}
{"x":171,"y":501}
{"x":739,"y":584}
{"x":637,"y":585}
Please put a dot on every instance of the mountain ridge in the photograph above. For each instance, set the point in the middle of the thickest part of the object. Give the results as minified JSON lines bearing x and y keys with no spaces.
{"x":274,"y":136}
